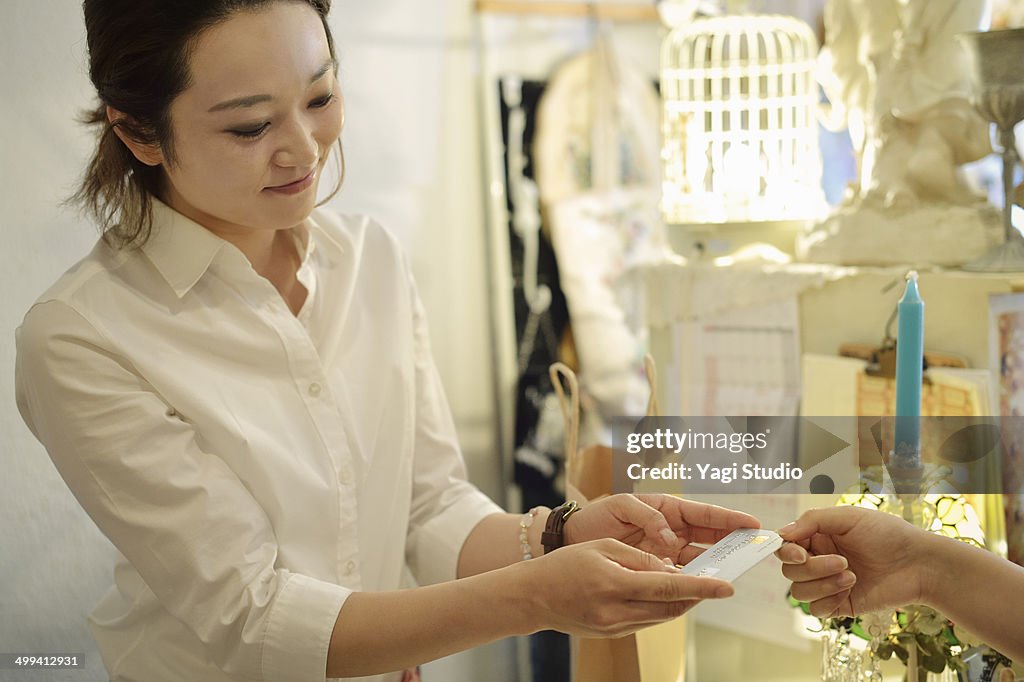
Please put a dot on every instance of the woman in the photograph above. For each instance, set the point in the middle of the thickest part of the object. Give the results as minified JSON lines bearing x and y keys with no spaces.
{"x":237,"y":387}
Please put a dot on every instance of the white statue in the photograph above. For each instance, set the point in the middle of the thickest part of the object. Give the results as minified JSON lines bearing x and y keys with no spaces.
{"x":897,"y":76}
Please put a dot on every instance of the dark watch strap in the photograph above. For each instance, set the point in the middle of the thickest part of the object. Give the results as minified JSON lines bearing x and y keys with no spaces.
{"x":553,"y":536}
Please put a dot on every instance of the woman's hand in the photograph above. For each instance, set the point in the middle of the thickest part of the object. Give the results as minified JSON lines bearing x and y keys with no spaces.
{"x":604,"y":588}
{"x":659,"y":524}
{"x":846,"y":561}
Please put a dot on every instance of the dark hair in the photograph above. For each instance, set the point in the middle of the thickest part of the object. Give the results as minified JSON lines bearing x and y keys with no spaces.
{"x":139,"y":53}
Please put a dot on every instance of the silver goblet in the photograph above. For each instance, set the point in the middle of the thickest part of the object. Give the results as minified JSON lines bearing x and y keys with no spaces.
{"x":997,"y":61}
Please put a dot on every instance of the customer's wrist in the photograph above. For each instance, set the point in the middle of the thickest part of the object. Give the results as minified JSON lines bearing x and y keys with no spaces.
{"x":933,"y":567}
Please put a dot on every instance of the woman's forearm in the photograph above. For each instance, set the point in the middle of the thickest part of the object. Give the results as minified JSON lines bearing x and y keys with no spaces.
{"x":386,"y":631}
{"x":494,"y":543}
{"x":380,"y":632}
{"x":978,"y":591}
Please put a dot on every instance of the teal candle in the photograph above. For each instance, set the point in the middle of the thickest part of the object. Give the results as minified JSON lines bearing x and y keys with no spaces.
{"x":909,"y":363}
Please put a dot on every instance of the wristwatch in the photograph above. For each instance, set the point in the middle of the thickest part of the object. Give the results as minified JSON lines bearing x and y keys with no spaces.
{"x":553,"y":536}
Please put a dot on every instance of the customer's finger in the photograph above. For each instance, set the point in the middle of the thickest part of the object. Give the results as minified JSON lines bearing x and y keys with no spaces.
{"x":814,"y":590}
{"x":792,"y":553}
{"x":815,"y":568}
{"x":831,"y":606}
{"x":828,"y":521}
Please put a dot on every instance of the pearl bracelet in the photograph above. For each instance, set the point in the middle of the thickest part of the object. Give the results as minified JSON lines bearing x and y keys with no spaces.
{"x":524,"y":528}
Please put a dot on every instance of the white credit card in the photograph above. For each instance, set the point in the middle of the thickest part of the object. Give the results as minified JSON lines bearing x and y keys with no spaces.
{"x":735,"y":554}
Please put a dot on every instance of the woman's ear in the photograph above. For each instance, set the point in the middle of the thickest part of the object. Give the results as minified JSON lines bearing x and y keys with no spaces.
{"x":151,"y":155}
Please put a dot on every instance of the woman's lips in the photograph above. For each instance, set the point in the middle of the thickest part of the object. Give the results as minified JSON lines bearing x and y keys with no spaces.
{"x":295,"y":187}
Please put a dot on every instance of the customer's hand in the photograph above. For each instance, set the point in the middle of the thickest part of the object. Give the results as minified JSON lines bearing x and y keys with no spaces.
{"x":897,"y":564}
{"x":660,"y":524}
{"x":846,"y":561}
{"x":605,"y":588}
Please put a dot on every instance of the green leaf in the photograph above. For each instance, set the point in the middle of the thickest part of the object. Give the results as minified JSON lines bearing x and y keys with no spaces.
{"x":935,"y":664}
{"x":902,"y":653}
{"x":858,"y":630}
{"x":929,"y":646}
{"x":884,"y":651}
{"x":907,"y":639}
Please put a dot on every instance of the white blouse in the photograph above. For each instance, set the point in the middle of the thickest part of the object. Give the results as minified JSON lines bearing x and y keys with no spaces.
{"x":252,"y":467}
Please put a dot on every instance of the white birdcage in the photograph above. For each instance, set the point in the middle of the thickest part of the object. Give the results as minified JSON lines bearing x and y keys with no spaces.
{"x":740,"y":133}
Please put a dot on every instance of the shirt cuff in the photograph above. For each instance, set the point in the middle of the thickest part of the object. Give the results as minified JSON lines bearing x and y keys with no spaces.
{"x":299,"y":629}
{"x":434,"y":555}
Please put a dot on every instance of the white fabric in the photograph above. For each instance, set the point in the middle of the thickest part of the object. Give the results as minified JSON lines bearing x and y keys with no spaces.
{"x":596,"y":151}
{"x":252,"y":467}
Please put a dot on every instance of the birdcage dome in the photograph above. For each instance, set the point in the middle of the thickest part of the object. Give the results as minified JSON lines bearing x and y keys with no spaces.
{"x":740,"y":135}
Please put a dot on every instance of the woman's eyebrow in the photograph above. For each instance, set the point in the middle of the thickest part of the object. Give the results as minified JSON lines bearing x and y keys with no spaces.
{"x":242,"y":102}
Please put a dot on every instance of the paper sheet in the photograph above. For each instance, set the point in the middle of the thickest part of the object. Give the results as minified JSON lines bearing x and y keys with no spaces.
{"x":829,"y":385}
{"x":1006,"y":361}
{"x":743,"y":362}
{"x":837,"y":386}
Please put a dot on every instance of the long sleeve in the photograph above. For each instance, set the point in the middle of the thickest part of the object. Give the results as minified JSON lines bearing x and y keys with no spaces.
{"x":178,"y":514}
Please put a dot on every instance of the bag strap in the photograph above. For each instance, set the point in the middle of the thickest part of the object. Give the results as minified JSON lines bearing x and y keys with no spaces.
{"x":651,"y":370}
{"x":570,"y":406}
{"x":570,"y":414}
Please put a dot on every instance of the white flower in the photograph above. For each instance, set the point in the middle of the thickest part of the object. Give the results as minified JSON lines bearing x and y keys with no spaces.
{"x":876,"y":624}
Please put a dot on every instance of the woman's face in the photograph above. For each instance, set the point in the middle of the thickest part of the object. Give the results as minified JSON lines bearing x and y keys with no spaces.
{"x":255,"y":127}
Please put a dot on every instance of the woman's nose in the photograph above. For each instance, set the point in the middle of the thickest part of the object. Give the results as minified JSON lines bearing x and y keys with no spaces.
{"x":299,"y":146}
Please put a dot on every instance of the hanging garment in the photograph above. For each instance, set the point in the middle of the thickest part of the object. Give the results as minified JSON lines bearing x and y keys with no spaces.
{"x":596,"y":153}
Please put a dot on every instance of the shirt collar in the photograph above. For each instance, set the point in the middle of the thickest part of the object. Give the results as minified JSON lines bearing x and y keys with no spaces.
{"x":180,"y":248}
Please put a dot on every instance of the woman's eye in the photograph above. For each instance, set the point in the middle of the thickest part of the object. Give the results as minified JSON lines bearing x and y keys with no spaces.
{"x":323,"y":101}
{"x":251,"y":133}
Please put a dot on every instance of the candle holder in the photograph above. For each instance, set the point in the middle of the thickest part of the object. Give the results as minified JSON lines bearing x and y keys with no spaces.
{"x":999,"y":96}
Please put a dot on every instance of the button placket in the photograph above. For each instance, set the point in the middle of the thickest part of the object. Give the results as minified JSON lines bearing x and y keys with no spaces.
{"x":306,"y":368}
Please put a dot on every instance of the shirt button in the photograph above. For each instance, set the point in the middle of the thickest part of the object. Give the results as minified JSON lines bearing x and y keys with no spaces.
{"x":345,"y":476}
{"x":350,"y":568}
{"x":314,"y":389}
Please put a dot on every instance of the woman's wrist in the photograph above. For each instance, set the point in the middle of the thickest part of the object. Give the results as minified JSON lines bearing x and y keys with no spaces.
{"x":569,"y":526}
{"x":524,"y":587}
{"x":555,"y":531}
{"x":531,"y":527}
